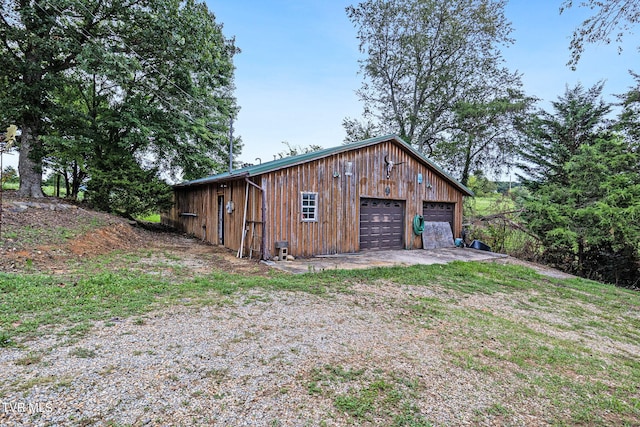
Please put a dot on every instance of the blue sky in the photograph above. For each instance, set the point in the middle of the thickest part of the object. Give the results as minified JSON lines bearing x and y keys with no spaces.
{"x":298,"y":71}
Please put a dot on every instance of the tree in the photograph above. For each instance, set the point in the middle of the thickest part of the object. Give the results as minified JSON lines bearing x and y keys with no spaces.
{"x":584,"y":182}
{"x":611,"y":16}
{"x":486,"y":130}
{"x":40,"y":41}
{"x":629,"y":120}
{"x":122,"y":186}
{"x":89,"y":78}
{"x":591,"y":226}
{"x":480,"y":184}
{"x":424,"y":58}
{"x":579,"y":118}
{"x":358,"y":131}
{"x":294,"y":150}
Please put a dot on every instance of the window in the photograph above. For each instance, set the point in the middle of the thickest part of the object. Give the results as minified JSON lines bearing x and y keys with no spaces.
{"x":309,"y":206}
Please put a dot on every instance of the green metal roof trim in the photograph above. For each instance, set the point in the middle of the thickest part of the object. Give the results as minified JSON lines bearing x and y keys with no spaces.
{"x":286,"y":162}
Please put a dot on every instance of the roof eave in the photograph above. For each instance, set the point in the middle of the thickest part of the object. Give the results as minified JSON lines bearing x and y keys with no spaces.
{"x":287,"y":162}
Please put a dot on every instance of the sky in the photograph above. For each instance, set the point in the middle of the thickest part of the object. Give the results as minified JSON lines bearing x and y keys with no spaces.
{"x":297,"y":75}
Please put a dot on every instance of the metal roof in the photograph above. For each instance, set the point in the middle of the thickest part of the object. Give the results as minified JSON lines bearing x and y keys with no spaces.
{"x":286,"y":162}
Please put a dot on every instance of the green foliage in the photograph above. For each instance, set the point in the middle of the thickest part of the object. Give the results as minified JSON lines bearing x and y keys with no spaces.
{"x":578,"y":118}
{"x":629,"y":120}
{"x":119,"y":78}
{"x":486,"y":128}
{"x":126,"y":188}
{"x":497,"y":222}
{"x":480,"y":184}
{"x":433,"y":75}
{"x":504,"y":187}
{"x":585,"y":187}
{"x":9,"y":175}
{"x":592,"y":226}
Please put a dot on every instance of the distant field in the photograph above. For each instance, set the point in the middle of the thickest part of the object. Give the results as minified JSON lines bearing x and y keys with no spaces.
{"x":48,"y":190}
{"x":492,"y":204}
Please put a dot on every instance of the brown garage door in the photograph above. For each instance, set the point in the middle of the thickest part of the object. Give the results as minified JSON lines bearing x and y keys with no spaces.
{"x":438,"y":212}
{"x":381,"y":224}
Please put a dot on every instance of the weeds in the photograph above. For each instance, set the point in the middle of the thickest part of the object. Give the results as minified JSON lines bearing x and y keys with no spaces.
{"x":5,"y":340}
{"x":549,"y":336}
{"x":83,"y":353}
{"x":370,"y":395}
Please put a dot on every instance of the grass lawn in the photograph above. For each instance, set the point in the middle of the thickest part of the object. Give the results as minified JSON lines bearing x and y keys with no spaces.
{"x":565,"y":340}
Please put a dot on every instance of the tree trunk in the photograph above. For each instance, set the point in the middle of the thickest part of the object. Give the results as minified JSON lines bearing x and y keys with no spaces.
{"x":30,"y":171}
{"x":466,"y":170}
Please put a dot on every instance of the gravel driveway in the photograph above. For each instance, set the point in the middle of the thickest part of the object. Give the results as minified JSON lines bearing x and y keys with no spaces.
{"x":375,"y":353}
{"x":277,"y":358}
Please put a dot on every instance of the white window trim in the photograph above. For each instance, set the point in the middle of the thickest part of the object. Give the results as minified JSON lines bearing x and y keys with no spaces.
{"x":309,"y":207}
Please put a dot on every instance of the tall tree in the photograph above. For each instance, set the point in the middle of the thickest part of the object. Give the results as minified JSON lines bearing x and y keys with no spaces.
{"x":589,"y":226}
{"x":629,"y":120}
{"x":40,"y":41}
{"x":578,"y":118}
{"x":485,"y":131}
{"x":584,"y":178}
{"x":148,"y":78}
{"x":424,"y":57}
{"x":612,"y":18}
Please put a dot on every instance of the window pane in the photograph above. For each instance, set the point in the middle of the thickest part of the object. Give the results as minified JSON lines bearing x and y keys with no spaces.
{"x":309,"y":204}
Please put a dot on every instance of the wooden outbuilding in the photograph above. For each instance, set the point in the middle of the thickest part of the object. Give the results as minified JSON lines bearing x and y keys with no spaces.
{"x":360,"y":196}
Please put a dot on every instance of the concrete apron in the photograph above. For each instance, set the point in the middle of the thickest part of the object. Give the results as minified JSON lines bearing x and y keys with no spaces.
{"x":387,"y":258}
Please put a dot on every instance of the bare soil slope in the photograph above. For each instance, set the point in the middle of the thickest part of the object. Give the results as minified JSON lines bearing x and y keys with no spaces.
{"x":48,"y":235}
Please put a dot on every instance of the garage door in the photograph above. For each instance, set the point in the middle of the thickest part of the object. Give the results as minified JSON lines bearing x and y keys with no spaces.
{"x":438,"y":212}
{"x":381,"y":224}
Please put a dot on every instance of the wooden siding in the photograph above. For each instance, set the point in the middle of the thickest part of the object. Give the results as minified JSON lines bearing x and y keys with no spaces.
{"x":337,"y":227}
{"x":200,"y":204}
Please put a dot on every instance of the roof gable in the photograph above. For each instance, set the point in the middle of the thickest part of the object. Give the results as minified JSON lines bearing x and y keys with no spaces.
{"x":286,"y":162}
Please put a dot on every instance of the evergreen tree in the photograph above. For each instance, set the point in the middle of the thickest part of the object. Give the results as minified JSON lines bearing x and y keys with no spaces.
{"x":579,"y":117}
{"x":629,"y":120}
{"x":584,"y":182}
{"x":591,"y":226}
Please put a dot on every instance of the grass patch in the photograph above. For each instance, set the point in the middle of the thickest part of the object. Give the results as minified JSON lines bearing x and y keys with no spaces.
{"x":383,"y":397}
{"x":29,"y":359}
{"x":486,"y":205}
{"x":547,"y":335}
{"x":5,"y":340}
{"x":155,"y":218}
{"x":83,"y":353}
